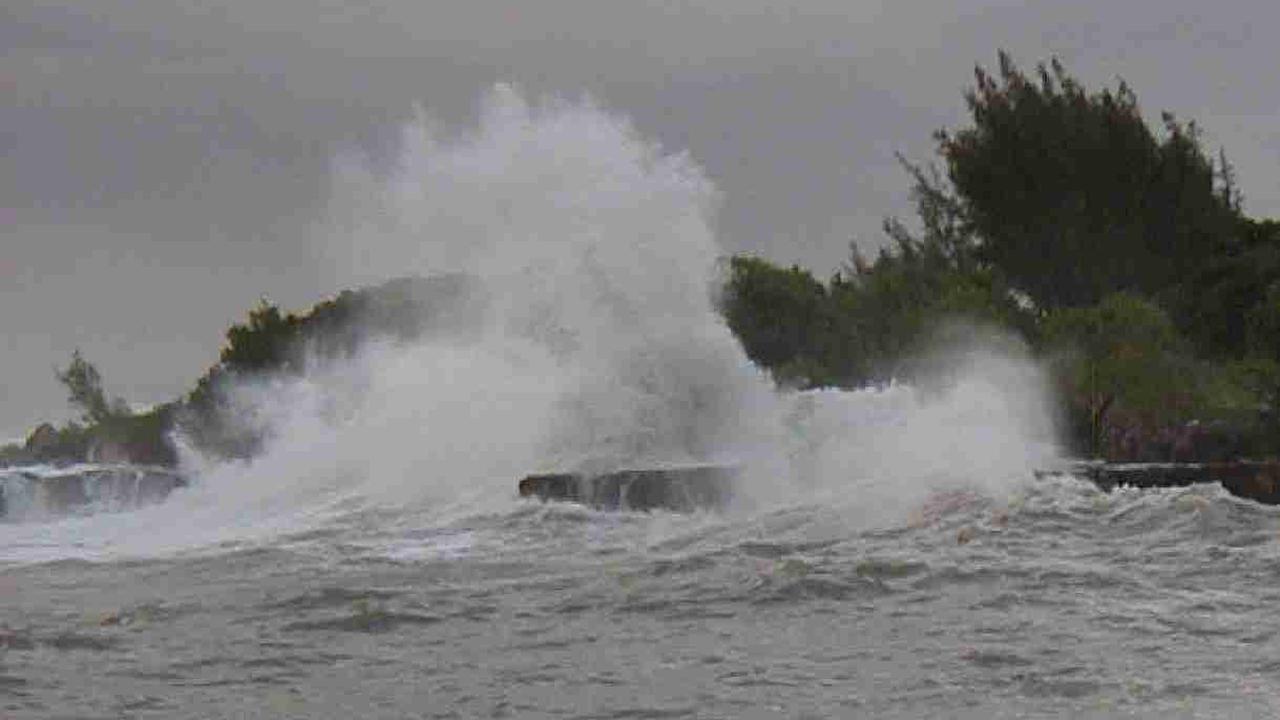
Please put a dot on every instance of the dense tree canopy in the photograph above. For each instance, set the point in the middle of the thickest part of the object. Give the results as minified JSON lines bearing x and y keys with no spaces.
{"x":271,"y":342}
{"x":780,"y":314}
{"x":1072,"y":197}
{"x":84,"y":390}
{"x":1228,"y":307}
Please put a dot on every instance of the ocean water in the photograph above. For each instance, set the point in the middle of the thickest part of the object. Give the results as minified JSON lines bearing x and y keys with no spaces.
{"x":890,"y":552}
{"x":1059,"y":600}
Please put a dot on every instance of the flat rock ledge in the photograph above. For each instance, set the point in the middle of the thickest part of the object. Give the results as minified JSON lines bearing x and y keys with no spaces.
{"x":703,"y":487}
{"x":679,"y":489}
{"x":1253,"y":479}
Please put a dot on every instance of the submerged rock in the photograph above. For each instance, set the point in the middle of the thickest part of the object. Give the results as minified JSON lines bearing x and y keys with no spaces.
{"x":681,"y":489}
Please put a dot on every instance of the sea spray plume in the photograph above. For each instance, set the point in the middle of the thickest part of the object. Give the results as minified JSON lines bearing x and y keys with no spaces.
{"x":594,"y":247}
{"x":599,"y":347}
{"x":976,"y":414}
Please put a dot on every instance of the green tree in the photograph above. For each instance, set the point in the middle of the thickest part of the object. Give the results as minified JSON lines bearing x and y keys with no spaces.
{"x":273,"y":342}
{"x":898,"y":301}
{"x":780,"y":315}
{"x":1072,"y":197}
{"x":1222,"y":307}
{"x":265,"y":342}
{"x":84,"y":390}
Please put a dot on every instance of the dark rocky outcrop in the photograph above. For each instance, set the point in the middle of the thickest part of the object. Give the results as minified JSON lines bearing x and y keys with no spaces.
{"x":1255,"y":480}
{"x":681,"y":489}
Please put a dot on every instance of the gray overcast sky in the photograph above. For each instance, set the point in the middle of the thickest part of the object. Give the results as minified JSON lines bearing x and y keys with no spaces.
{"x":162,"y":160}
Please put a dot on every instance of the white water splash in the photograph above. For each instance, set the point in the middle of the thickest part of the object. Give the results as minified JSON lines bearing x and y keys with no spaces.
{"x":599,"y":347}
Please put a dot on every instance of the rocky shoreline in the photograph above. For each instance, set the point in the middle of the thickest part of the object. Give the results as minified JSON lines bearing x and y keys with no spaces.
{"x":43,"y":492}
{"x":1257,"y":480}
{"x":700,"y":487}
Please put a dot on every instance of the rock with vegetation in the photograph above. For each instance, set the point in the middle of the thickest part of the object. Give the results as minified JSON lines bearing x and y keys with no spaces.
{"x":274,"y":343}
{"x":270,"y":342}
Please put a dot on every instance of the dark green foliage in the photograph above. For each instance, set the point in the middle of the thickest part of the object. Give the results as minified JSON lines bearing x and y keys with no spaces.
{"x":1118,"y":251}
{"x":71,"y":442}
{"x":865,"y":324}
{"x":273,"y":343}
{"x":1072,"y":197}
{"x":402,"y":309}
{"x":265,"y":342}
{"x":780,"y":315}
{"x":1121,"y":357}
{"x":1226,"y":307}
{"x":268,"y":343}
{"x":144,"y":437}
{"x":84,"y":390}
{"x":897,"y":302}
{"x":871,"y":320}
{"x":1262,"y":324}
{"x":1256,"y":382}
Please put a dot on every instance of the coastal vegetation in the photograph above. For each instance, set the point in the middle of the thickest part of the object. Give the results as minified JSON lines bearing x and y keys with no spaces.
{"x":268,"y":343}
{"x":1118,"y":252}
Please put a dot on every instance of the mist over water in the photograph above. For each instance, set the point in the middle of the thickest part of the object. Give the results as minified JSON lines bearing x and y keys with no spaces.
{"x":594,"y":345}
{"x":985,"y":424}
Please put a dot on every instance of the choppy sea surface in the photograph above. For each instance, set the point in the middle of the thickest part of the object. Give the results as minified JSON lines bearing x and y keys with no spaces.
{"x":1055,"y":600}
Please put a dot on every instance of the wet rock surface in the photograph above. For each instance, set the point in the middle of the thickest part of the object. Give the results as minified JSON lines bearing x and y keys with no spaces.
{"x":1255,"y":480}
{"x":681,"y":489}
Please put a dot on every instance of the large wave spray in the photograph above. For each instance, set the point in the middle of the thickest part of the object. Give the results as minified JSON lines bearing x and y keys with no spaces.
{"x":596,"y":345}
{"x":595,"y":342}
